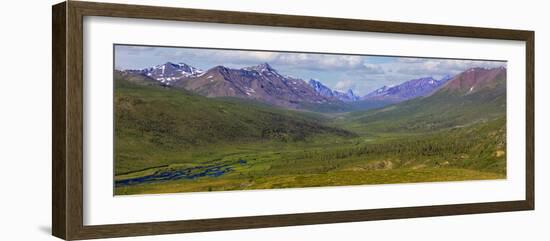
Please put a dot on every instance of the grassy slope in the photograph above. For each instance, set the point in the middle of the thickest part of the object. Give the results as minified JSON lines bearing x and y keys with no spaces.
{"x":469,"y":153}
{"x":338,"y":107}
{"x":444,"y":109}
{"x":158,"y":126}
{"x":446,"y":137}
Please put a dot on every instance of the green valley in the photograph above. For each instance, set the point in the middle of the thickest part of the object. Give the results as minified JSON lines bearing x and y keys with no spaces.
{"x":171,"y":140}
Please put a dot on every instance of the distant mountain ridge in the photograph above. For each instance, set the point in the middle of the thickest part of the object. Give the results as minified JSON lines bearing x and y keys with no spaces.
{"x":264,"y":83}
{"x":408,"y":90}
{"x":169,"y":72}
{"x":260,"y":82}
{"x":473,"y":96}
{"x":327,"y":92}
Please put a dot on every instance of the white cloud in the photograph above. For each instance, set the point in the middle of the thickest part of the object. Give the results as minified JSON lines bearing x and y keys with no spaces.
{"x":240,"y":56}
{"x":319,"y":61}
{"x":429,"y":67}
{"x":344,"y":85}
{"x":410,"y":60}
{"x":134,"y":50}
{"x":373,"y":69}
{"x":400,"y":70}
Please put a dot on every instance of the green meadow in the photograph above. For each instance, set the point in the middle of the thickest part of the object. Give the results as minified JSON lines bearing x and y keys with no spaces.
{"x":170,"y":140}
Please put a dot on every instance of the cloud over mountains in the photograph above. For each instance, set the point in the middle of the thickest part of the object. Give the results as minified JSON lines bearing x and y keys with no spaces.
{"x":361,"y":73}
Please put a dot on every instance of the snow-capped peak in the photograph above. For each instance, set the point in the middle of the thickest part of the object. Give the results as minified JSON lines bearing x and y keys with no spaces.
{"x":409,"y":89}
{"x":320,"y":88}
{"x":169,"y":72}
{"x":325,"y":91}
{"x":261,"y":68}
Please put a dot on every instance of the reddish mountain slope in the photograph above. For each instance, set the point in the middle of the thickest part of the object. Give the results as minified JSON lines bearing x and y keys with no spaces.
{"x":476,"y":79}
{"x":259,"y":82}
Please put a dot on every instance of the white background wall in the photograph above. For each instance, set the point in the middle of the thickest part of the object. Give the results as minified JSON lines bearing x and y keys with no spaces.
{"x":25,"y":120}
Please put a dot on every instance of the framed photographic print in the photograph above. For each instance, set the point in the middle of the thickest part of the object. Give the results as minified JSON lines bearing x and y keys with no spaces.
{"x":171,"y":120}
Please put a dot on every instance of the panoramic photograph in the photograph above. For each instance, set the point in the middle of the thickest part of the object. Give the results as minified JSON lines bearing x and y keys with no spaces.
{"x":202,"y":119}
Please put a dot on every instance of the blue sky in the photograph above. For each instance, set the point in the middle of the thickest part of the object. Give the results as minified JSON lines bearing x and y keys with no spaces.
{"x":361,"y":73}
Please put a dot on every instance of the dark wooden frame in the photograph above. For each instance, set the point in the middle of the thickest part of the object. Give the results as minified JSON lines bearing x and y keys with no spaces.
{"x":67,"y":165}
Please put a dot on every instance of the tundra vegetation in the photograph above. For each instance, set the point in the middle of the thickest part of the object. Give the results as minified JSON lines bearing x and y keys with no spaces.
{"x":171,"y":139}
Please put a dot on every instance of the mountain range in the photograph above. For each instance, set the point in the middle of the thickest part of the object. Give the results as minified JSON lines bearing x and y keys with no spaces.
{"x":408,"y":90}
{"x":263,"y":83}
{"x":327,"y":92}
{"x":168,"y":73}
{"x":476,"y":95}
{"x":260,"y":82}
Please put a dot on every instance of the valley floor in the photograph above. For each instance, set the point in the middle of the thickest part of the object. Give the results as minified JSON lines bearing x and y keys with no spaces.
{"x":452,"y":155}
{"x":332,"y":178}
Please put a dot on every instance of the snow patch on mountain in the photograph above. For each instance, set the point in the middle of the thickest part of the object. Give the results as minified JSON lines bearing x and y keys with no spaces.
{"x":169,"y":72}
{"x":409,"y":89}
{"x":327,"y":92}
